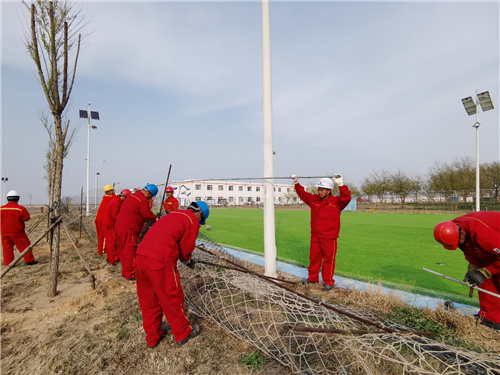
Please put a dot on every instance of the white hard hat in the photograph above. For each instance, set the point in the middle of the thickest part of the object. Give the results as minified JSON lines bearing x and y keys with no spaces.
{"x":12,"y":193}
{"x":325,"y":183}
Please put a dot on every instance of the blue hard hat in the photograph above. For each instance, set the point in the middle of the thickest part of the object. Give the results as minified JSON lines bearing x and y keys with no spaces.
{"x":152,"y":189}
{"x":200,"y":205}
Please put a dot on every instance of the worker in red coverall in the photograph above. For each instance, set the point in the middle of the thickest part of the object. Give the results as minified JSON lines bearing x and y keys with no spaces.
{"x":134,"y":212}
{"x":13,"y":216}
{"x":109,"y":191}
{"x":171,"y":204}
{"x":325,"y":227}
{"x":108,"y":224}
{"x":159,"y":289}
{"x":478,"y":235}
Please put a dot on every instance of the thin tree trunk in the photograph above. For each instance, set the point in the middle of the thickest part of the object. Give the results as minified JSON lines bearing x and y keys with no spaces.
{"x":56,"y":234}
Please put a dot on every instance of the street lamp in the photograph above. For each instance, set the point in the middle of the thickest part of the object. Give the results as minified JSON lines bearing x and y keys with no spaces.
{"x":97,"y":182}
{"x":95,"y":116}
{"x":472,"y":108}
{"x":4,"y":180}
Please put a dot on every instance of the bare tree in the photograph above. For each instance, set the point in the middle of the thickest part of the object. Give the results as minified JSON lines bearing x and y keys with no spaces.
{"x":50,"y":46}
{"x":490,"y":179}
{"x":49,"y":156}
{"x":378,"y":183}
{"x":401,"y":185}
{"x":453,"y":180}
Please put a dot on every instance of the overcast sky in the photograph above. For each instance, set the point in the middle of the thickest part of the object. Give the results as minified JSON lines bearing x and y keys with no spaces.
{"x":358,"y":87}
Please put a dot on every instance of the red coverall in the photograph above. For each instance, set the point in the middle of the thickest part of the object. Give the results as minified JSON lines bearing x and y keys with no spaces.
{"x":482,"y":249}
{"x":325,"y":227}
{"x":133,"y":213}
{"x":101,"y":244}
{"x":171,"y":204}
{"x":108,"y":226}
{"x":12,"y":227}
{"x":159,"y":288}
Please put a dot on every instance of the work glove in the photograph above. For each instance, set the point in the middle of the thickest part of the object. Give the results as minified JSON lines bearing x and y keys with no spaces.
{"x":190,"y":263}
{"x":477,"y":277}
{"x":294,"y":179}
{"x":338,"y":179}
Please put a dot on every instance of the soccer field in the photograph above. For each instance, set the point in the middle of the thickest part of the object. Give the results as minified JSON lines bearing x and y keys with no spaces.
{"x":389,"y":248}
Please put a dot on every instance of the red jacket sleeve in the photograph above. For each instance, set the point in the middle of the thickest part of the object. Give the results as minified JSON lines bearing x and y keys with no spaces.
{"x":344,"y":196}
{"x":146,"y":212}
{"x":489,"y":240}
{"x":188,"y":241}
{"x":25,"y":215}
{"x":303,"y":194}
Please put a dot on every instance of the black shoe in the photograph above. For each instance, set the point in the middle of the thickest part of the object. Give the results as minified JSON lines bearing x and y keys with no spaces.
{"x":32,"y":263}
{"x":327,"y":288}
{"x":195,"y":331}
{"x":159,"y":340}
{"x":307,"y":281}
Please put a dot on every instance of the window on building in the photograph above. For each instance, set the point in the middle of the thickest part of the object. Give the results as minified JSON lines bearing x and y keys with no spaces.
{"x":288,"y":190}
{"x":279,"y":190}
{"x":249,"y":188}
{"x":230,"y":188}
{"x":240,"y":188}
{"x":197,"y":187}
{"x":221,"y":187}
{"x":257,"y":199}
{"x":241,"y":199}
{"x":257,"y":188}
{"x":231,"y":199}
{"x":197,"y":199}
{"x":209,"y":187}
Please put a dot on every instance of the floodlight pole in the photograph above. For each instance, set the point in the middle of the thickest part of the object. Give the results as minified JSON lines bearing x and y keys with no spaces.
{"x":87,"y":208}
{"x":478,"y":168}
{"x":269,"y":224}
{"x":472,"y":107}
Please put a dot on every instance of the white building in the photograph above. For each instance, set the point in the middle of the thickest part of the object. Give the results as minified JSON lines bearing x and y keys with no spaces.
{"x":230,"y":193}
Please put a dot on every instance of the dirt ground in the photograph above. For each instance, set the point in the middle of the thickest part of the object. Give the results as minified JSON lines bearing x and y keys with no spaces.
{"x":81,"y":331}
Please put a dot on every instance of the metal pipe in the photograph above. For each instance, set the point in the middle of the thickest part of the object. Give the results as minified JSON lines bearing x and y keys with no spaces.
{"x":321,"y":303}
{"x":463,"y":283}
{"x":353,"y":331}
{"x":242,"y":270}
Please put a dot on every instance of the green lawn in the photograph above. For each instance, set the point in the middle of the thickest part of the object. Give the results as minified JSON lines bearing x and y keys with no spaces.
{"x":375,"y":247}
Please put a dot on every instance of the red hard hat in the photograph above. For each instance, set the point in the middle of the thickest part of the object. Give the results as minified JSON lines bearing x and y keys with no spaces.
{"x":447,"y":234}
{"x":126,"y":192}
{"x":169,"y":189}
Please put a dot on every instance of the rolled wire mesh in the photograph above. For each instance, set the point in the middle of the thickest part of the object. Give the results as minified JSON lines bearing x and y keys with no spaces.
{"x":308,"y":335}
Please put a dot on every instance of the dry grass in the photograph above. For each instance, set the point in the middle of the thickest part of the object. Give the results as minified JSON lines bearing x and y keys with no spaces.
{"x":82,"y":332}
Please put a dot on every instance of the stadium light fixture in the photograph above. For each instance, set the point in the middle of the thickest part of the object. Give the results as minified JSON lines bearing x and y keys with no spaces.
{"x":472,"y":108}
{"x":95,"y":116}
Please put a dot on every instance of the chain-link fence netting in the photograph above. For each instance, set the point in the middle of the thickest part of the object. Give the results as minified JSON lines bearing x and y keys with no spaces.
{"x":311,"y":336}
{"x":304,"y":333}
